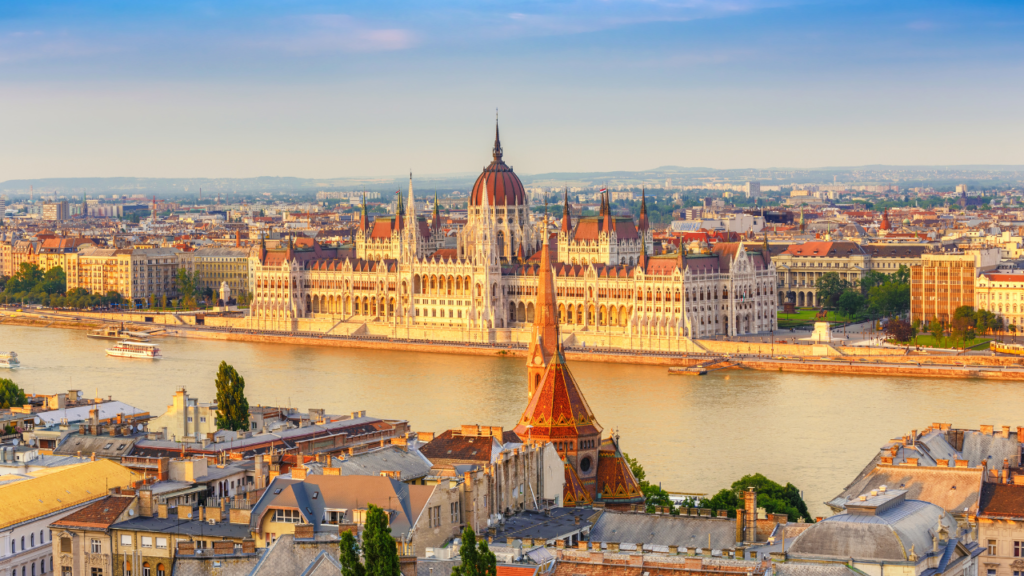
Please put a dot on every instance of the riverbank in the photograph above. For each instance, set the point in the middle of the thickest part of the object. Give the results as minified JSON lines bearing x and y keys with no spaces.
{"x":731,"y":355}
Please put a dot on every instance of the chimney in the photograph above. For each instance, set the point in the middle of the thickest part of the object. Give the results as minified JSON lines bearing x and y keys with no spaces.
{"x":146,"y":502}
{"x":161,"y":510}
{"x":93,"y":457}
{"x":299,"y":473}
{"x":248,"y":546}
{"x":750,"y":511}
{"x":1006,"y":432}
{"x":739,"y":525}
{"x":186,"y":548}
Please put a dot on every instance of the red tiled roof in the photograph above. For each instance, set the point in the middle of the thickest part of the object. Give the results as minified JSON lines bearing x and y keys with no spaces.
{"x":558,"y":409}
{"x":1002,"y":500}
{"x":824,"y":249}
{"x":96,"y":515}
{"x":997,"y":277}
{"x":615,"y":481}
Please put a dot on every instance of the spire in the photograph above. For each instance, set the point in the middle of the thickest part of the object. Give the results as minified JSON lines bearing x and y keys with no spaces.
{"x":681,"y":260}
{"x":435,"y":219}
{"x":497,"y":140}
{"x":399,"y":211}
{"x":641,"y":262}
{"x":606,"y":225}
{"x":767,"y":253}
{"x":566,"y":217}
{"x":544,"y":341}
{"x":364,"y":220}
{"x":643,"y":225}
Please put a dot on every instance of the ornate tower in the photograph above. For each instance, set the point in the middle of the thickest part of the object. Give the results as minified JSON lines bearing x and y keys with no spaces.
{"x":544,"y":341}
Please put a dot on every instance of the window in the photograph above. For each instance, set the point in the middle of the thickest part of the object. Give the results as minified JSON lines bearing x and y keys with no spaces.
{"x":95,"y":572}
{"x":32,"y":543}
{"x":434,"y":517}
{"x":1018,"y":547}
{"x":147,"y":541}
{"x":145,"y":569}
{"x":456,"y":512}
{"x":65,"y":545}
{"x":991,"y":572}
{"x":290,"y":516}
{"x":160,"y":570}
{"x":161,"y":542}
{"x":991,"y":547}
{"x":97,"y":547}
{"x":334,"y":517}
{"x":126,"y":539}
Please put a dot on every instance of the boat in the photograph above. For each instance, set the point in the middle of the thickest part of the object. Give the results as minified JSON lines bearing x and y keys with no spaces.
{"x":9,"y":360}
{"x":116,"y":333}
{"x":687,"y":371}
{"x":131,"y":349}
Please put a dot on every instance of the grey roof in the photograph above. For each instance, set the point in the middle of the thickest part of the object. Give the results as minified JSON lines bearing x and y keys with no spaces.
{"x":317,"y":493}
{"x":44,"y":461}
{"x":80,"y":413}
{"x":802,"y":569}
{"x":887,"y":536}
{"x":432,"y":567}
{"x":111,"y":447}
{"x":290,"y":555}
{"x":410,"y":463}
{"x":545,"y":525}
{"x":174,"y":525}
{"x":662,"y":530}
{"x":954,"y":489}
{"x":219,"y":252}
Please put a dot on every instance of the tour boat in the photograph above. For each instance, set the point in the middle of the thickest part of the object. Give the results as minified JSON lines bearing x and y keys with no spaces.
{"x":9,"y":360}
{"x":129,"y":349}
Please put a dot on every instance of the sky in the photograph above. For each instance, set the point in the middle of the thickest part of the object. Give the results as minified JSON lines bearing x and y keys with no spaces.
{"x":322,"y":89}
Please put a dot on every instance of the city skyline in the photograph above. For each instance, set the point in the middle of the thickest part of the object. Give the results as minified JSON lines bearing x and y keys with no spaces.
{"x":325,"y":89}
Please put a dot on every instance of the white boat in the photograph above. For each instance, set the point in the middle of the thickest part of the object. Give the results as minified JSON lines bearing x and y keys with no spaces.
{"x":129,"y":349}
{"x":116,"y":333}
{"x":9,"y":360}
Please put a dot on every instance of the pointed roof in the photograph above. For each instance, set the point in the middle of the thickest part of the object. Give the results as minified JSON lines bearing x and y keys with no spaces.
{"x":574,"y":493}
{"x":544,"y":341}
{"x":615,"y":481}
{"x":643,"y":225}
{"x":364,"y":220}
{"x":566,"y":218}
{"x":558,"y":409}
{"x":435,"y":220}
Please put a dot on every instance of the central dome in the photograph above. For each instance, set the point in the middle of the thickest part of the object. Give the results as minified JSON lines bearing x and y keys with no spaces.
{"x":503,"y":186}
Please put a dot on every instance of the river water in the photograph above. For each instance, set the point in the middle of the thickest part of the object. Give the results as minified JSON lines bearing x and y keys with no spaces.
{"x":692,"y":434}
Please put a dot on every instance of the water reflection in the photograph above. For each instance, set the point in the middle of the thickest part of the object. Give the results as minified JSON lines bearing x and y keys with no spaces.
{"x":692,"y":433}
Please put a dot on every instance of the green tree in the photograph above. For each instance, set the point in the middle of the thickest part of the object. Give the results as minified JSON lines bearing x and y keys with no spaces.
{"x":54,"y":281}
{"x":966,"y":313}
{"x":379,"y":548}
{"x":962,"y":330}
{"x":186,"y":285}
{"x":772,"y":496}
{"x":889,"y":298}
{"x":936,"y":329}
{"x":654,"y":495}
{"x":232,"y":407}
{"x":900,"y":330}
{"x":830,"y":287}
{"x":902,"y":276}
{"x":10,"y":394}
{"x":1013,"y":330}
{"x":871,"y":279}
{"x":850,"y":303}
{"x":477,"y":558}
{"x":349,"y":556}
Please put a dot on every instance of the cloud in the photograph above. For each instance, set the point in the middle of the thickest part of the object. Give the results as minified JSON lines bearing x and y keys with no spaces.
{"x":323,"y":33}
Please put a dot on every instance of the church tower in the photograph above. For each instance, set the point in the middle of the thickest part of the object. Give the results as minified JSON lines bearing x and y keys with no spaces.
{"x":544,"y":342}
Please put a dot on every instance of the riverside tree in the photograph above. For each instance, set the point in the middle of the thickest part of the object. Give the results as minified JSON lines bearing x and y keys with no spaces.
{"x":349,"y":556}
{"x":772,"y":496}
{"x":477,"y":558}
{"x":232,"y":407}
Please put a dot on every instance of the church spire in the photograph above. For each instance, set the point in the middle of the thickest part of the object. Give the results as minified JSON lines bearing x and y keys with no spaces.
{"x":435,"y":219}
{"x":364,"y":220}
{"x":643,"y":225}
{"x":544,"y":340}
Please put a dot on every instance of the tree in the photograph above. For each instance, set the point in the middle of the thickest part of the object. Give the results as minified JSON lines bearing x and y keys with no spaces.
{"x":962,"y":329}
{"x":232,"y":407}
{"x":654,"y":495}
{"x":889,"y":298}
{"x":871,"y":279}
{"x":10,"y":394}
{"x":830,"y":287}
{"x":850,"y":303}
{"x":1013,"y":330}
{"x":772,"y":496}
{"x":379,"y":548}
{"x":186,"y":285}
{"x":349,"y":556}
{"x":936,"y":329}
{"x":967,"y":313}
{"x":477,"y":558}
{"x":899,"y":330}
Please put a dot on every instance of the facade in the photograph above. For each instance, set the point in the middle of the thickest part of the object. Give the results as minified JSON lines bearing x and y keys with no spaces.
{"x":56,"y":211}
{"x":134,"y":273}
{"x":405,"y":282}
{"x":1000,"y":522}
{"x":186,"y":419}
{"x":946,"y":281}
{"x":800,"y":266}
{"x":212,"y":266}
{"x":81,"y":541}
{"x":1003,"y":295}
{"x":30,"y":506}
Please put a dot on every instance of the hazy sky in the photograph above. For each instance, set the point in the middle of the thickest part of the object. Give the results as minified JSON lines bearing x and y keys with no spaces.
{"x":315,"y":88}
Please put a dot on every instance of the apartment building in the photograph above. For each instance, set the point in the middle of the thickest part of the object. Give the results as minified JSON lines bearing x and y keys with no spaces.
{"x":1000,"y":522}
{"x":135,"y":273}
{"x":1003,"y":295}
{"x":946,"y":281}
{"x":56,"y":211}
{"x":800,"y":265}
{"x":214,"y":266}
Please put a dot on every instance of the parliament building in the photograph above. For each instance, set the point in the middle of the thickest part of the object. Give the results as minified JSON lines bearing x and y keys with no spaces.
{"x":404,"y":283}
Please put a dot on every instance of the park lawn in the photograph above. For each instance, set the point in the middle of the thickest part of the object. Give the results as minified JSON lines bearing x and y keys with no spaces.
{"x":947,"y":342}
{"x":808,"y":316}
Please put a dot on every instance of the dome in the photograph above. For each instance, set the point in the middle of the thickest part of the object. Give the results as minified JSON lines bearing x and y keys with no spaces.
{"x":503,"y":186}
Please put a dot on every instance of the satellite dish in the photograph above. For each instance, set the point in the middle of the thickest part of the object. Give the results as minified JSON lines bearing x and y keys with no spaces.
{"x":38,"y":420}
{"x":189,"y":514}
{"x":79,"y":393}
{"x":32,"y":442}
{"x":131,"y":512}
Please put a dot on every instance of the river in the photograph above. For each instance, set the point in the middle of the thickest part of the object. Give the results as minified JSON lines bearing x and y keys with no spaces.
{"x":693,"y":434}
